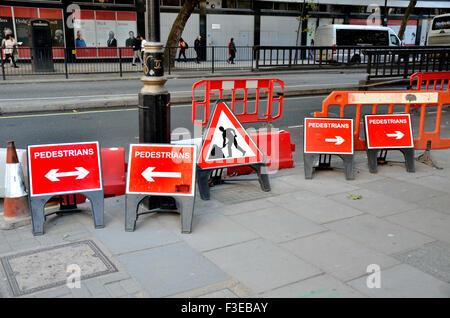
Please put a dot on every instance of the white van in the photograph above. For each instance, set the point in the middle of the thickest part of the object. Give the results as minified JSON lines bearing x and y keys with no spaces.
{"x":352,"y":35}
{"x":439,"y":31}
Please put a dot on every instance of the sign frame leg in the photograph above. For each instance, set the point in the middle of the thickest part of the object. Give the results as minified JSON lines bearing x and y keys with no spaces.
{"x":348,"y":159}
{"x":38,"y":217}
{"x":185,"y":207}
{"x":408,"y":154}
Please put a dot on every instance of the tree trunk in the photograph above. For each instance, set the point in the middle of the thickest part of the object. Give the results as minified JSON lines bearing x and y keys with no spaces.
{"x":401,"y":32}
{"x":177,"y":30}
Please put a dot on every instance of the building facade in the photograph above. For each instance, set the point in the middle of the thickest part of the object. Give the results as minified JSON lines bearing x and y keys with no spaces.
{"x":94,"y":23}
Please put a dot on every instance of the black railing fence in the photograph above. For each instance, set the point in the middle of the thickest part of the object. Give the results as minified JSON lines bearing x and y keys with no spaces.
{"x":380,"y":61}
{"x":405,"y":62}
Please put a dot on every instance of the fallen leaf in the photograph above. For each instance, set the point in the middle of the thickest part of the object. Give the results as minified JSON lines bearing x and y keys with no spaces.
{"x":354,"y":196}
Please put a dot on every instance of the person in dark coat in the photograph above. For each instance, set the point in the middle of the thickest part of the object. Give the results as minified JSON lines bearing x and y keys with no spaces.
{"x":231,"y":51}
{"x":183,"y":47}
{"x":137,"y":50}
{"x":197,"y":44}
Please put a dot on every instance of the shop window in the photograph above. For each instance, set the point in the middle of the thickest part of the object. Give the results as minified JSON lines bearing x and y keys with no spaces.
{"x":266,"y":5}
{"x":244,"y":4}
{"x":230,"y":4}
{"x":280,"y":6}
{"x":293,"y":7}
{"x":171,"y":3}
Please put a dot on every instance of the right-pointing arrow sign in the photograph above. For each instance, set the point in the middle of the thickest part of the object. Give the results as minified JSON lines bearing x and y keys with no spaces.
{"x":148,"y":174}
{"x":337,"y":140}
{"x":398,"y":134}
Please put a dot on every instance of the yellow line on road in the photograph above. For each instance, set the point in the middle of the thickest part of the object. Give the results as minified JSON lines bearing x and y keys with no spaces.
{"x":66,"y":113}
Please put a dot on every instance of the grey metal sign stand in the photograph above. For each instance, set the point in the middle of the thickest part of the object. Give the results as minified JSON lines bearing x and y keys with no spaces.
{"x":38,"y":216}
{"x":374,"y":159}
{"x":92,"y":190}
{"x":309,"y":159}
{"x":204,"y":174}
{"x":185,"y":206}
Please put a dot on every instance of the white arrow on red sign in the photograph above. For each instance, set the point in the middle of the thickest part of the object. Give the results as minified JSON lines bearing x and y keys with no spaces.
{"x":337,"y":140}
{"x":397,"y":135}
{"x":149,"y":174}
{"x":53,"y":174}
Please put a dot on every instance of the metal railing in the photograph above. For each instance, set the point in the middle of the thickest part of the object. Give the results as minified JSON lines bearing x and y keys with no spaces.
{"x":406,"y":61}
{"x":88,"y":60}
{"x":304,"y":56}
{"x":380,"y":61}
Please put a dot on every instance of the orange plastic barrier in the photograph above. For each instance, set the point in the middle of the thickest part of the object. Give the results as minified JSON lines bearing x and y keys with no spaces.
{"x":372,"y":100}
{"x":211,"y":87}
{"x":440,"y":81}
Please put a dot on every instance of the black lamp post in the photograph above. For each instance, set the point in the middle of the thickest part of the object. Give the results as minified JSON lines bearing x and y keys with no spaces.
{"x":154,"y":99}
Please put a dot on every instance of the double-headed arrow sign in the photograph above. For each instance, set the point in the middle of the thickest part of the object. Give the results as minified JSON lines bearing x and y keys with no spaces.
{"x":80,"y":173}
{"x":148,"y":174}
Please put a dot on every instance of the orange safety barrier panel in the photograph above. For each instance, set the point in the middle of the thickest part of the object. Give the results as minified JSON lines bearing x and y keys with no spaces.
{"x":211,"y":87}
{"x":356,"y":99}
{"x":440,"y":81}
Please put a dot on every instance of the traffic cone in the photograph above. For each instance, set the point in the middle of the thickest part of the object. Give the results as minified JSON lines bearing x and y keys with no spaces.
{"x":16,"y":198}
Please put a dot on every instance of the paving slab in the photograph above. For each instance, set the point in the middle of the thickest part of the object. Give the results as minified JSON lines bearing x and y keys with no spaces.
{"x":439,"y":203}
{"x":224,"y":293}
{"x":431,"y":223}
{"x":433,"y":258}
{"x":323,"y":286}
{"x":148,"y":234}
{"x":330,"y":184}
{"x":337,"y":255}
{"x":402,"y":190}
{"x":239,"y":192}
{"x":381,"y":235}
{"x":403,"y":281}
{"x":277,"y":225}
{"x":437,"y":182}
{"x":374,"y":203}
{"x":214,"y":230}
{"x":261,"y":266}
{"x":247,"y":206}
{"x":172,"y":269}
{"x":315,"y":207}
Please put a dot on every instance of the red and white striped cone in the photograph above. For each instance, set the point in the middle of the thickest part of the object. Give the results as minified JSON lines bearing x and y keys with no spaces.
{"x":16,"y":198}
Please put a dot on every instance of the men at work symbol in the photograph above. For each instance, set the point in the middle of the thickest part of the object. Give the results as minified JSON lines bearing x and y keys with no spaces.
{"x":229,"y":139}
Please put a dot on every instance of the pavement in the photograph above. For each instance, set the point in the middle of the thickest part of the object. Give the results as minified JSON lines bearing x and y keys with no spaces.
{"x":326,"y":237}
{"x":305,"y":238}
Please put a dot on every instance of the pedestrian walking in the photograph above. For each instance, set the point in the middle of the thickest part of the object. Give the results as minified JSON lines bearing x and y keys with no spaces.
{"x":137,"y":45}
{"x":311,"y":52}
{"x":197,"y":44}
{"x":10,"y":44}
{"x":231,"y":51}
{"x":183,"y":47}
{"x":143,"y":47}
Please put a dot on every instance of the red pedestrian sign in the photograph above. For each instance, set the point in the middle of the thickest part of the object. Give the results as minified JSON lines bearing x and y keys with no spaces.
{"x":161,"y":169}
{"x":389,"y":131}
{"x":328,"y":135}
{"x":64,"y":168}
{"x":227,"y":143}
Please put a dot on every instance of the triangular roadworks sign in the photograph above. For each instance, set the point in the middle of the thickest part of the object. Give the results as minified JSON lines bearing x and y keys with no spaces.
{"x":227,"y":144}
